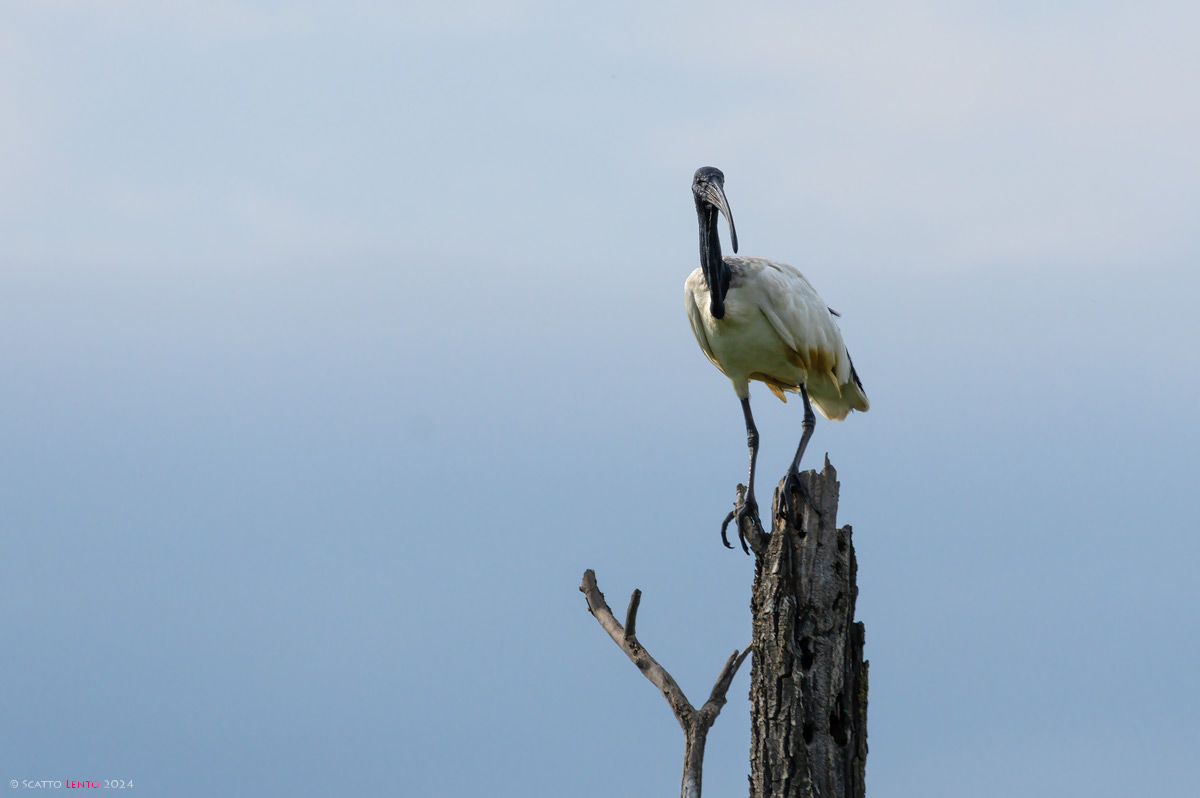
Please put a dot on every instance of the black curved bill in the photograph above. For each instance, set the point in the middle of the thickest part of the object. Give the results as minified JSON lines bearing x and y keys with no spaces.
{"x":715,"y":194}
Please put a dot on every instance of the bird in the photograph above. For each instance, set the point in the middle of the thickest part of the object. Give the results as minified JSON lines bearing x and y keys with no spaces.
{"x":759,"y":319}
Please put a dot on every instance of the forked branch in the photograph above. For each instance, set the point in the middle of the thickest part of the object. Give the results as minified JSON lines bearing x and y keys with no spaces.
{"x":695,"y":723}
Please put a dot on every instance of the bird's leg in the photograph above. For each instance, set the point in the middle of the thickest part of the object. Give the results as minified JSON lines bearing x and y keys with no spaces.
{"x":792,"y":484}
{"x":746,"y":507}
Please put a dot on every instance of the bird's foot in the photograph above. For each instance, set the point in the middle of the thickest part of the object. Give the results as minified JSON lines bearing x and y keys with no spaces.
{"x":792,"y":485}
{"x":745,"y":515}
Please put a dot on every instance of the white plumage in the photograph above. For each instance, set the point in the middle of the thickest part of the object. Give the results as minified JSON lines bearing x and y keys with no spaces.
{"x":777,"y":330}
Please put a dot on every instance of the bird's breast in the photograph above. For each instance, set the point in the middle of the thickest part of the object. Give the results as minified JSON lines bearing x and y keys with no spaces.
{"x":743,"y":343}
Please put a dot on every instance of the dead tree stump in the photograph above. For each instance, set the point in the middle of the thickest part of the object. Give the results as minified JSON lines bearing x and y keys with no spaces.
{"x":808,"y":682}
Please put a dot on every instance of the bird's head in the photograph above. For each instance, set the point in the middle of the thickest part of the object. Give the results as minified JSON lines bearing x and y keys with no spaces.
{"x":708,"y":189}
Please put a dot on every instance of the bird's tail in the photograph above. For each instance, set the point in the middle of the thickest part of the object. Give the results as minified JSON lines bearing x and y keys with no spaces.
{"x":835,"y":399}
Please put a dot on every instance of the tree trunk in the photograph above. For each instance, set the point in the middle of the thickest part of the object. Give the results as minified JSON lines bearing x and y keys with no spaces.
{"x":808,"y":682}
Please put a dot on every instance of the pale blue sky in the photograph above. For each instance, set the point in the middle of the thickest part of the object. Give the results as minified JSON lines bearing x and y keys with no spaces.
{"x":339,"y":339}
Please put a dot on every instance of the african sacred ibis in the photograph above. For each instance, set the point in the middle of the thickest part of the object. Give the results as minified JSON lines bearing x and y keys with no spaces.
{"x":757,"y":319}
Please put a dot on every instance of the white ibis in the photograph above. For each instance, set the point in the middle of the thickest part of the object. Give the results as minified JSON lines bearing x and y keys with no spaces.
{"x":757,"y":319}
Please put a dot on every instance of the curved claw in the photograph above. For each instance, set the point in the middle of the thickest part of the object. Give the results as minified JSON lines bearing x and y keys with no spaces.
{"x":742,"y":510}
{"x":742,"y":534}
{"x":787,"y":507}
{"x":724,"y":524}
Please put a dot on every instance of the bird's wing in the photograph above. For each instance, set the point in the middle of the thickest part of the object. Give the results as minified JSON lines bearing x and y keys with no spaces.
{"x":802,"y":321}
{"x":806,"y":326}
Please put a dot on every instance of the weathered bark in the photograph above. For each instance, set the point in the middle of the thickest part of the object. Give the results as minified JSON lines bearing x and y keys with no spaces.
{"x":808,"y":683}
{"x":695,"y":722}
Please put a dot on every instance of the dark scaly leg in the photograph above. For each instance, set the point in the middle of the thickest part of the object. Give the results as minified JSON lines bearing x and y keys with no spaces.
{"x":792,"y":484}
{"x":747,"y":507}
